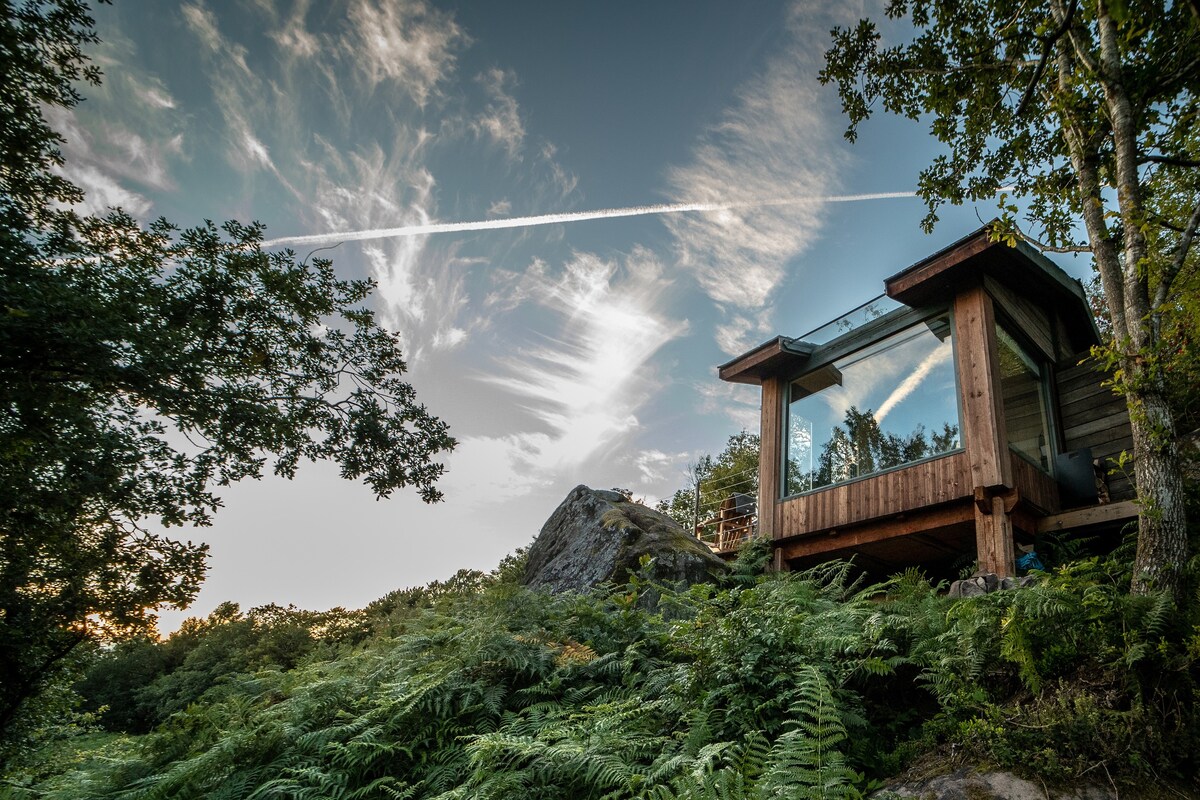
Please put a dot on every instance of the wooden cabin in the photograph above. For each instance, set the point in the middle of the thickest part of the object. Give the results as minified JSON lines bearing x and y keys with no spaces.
{"x":949,"y":420}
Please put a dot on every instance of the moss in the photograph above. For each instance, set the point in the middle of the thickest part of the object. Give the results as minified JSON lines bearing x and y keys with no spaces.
{"x":614,"y":519}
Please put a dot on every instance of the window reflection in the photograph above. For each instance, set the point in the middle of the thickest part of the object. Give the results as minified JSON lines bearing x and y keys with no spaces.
{"x":891,"y":403}
{"x":1022,"y":379}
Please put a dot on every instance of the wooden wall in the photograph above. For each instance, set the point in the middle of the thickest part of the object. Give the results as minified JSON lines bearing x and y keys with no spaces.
{"x":1034,"y":485}
{"x":928,"y":483}
{"x":1092,"y":416}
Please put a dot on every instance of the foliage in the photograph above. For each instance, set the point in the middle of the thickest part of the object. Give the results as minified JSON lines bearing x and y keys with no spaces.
{"x":140,"y":368}
{"x":734,"y":469}
{"x":138,"y":684}
{"x":799,"y":685}
{"x":1086,"y":112}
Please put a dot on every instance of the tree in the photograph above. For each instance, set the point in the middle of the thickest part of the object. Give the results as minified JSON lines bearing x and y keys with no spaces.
{"x":143,"y":367}
{"x":1088,"y":111}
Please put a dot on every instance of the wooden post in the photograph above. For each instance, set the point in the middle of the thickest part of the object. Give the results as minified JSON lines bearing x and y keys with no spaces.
{"x":994,"y":537}
{"x":770,"y":455}
{"x":984,"y":433}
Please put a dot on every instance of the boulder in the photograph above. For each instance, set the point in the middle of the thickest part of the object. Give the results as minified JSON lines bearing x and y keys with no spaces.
{"x":596,"y":536}
{"x":967,"y":784}
{"x":987,"y":583}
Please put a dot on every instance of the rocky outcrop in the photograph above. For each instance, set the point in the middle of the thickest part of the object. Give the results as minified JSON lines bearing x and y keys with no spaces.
{"x":970,"y":785}
{"x":596,"y":536}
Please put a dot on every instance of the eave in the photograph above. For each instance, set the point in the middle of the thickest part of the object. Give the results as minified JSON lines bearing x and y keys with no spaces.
{"x":775,"y":356}
{"x":1019,"y":266}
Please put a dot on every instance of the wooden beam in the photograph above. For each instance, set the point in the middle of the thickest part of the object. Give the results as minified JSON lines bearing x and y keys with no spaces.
{"x":979,"y":386}
{"x":915,"y":278}
{"x":906,"y":525}
{"x":994,"y":546}
{"x":1092,"y":515}
{"x":770,"y":455}
{"x":778,"y":355}
{"x":1029,"y":317}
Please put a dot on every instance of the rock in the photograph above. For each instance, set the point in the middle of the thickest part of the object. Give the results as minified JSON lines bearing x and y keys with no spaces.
{"x":983,"y":584}
{"x":966,"y":784}
{"x":596,"y":536}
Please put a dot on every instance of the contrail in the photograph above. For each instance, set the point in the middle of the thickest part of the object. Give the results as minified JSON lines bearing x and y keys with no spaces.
{"x":574,"y":216}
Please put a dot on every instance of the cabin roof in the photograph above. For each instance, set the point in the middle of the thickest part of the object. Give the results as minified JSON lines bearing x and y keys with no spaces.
{"x":934,"y":279}
{"x":1019,"y":266}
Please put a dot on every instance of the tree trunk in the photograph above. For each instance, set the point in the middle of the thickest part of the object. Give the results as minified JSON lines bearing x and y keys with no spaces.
{"x":1162,"y":522}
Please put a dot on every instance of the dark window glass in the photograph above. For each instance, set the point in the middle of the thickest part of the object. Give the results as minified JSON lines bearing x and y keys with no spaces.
{"x":1022,"y":388}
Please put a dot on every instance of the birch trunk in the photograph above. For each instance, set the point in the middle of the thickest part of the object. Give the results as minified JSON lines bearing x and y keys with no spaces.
{"x":1162,"y":523}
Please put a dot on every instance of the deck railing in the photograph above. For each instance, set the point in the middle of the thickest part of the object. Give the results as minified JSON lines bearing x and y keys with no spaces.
{"x":735,"y":522}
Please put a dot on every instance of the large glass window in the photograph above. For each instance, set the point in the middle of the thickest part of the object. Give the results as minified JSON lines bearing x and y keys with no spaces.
{"x":1022,"y":388}
{"x":891,"y":403}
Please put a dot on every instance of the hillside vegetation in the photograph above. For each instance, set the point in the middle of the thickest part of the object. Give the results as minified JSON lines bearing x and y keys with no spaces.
{"x":780,"y":685}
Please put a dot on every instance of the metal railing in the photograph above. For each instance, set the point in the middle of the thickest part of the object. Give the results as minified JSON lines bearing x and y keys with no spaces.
{"x":735,"y":522}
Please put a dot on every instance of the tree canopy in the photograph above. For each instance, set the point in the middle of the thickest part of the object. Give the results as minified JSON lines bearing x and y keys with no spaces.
{"x":144,"y":366}
{"x":1086,"y":111}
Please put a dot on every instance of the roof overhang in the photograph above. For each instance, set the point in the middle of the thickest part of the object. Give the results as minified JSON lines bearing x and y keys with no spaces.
{"x":778,"y":355}
{"x":1018,"y":266}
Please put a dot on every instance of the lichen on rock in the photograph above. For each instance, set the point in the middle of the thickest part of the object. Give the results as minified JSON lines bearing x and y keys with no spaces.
{"x":596,"y":536}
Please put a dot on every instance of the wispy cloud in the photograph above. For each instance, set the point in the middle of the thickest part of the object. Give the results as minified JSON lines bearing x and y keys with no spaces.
{"x":737,"y":402}
{"x":585,"y":386}
{"x":112,"y":163}
{"x":501,"y":119}
{"x":406,"y":42}
{"x":777,"y":139}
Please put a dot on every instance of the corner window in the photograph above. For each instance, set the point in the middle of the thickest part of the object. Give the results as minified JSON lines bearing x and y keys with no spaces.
{"x":890,"y":403}
{"x":1023,"y":392}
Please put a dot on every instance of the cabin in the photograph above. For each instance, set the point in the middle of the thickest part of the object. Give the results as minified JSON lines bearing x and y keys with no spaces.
{"x":954,"y":419}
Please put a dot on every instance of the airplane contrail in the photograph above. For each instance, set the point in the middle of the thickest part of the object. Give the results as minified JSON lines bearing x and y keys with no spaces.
{"x":573,"y":216}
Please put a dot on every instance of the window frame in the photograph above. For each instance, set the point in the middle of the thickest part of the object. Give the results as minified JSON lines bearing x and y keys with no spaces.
{"x":848,"y":344}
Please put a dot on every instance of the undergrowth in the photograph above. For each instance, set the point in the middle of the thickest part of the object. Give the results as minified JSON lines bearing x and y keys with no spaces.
{"x":787,"y":685}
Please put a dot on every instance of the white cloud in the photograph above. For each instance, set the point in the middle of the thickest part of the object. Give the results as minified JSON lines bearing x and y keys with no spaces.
{"x":500,"y":208}
{"x":739,"y":333}
{"x":583,"y":389}
{"x":102,"y":191}
{"x":501,"y":120}
{"x":403,"y":41}
{"x":203,"y":24}
{"x":293,"y":36}
{"x":449,"y":338}
{"x":657,"y":467}
{"x":105,"y":158}
{"x":485,"y":470}
{"x":737,"y":402}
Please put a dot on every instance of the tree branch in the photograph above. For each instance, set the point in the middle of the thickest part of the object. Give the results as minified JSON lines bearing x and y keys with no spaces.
{"x":1185,"y":244}
{"x":1047,"y":47}
{"x":1173,"y":161}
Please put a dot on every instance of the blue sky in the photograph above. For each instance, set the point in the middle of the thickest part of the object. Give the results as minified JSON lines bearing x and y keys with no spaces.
{"x":560,"y":354}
